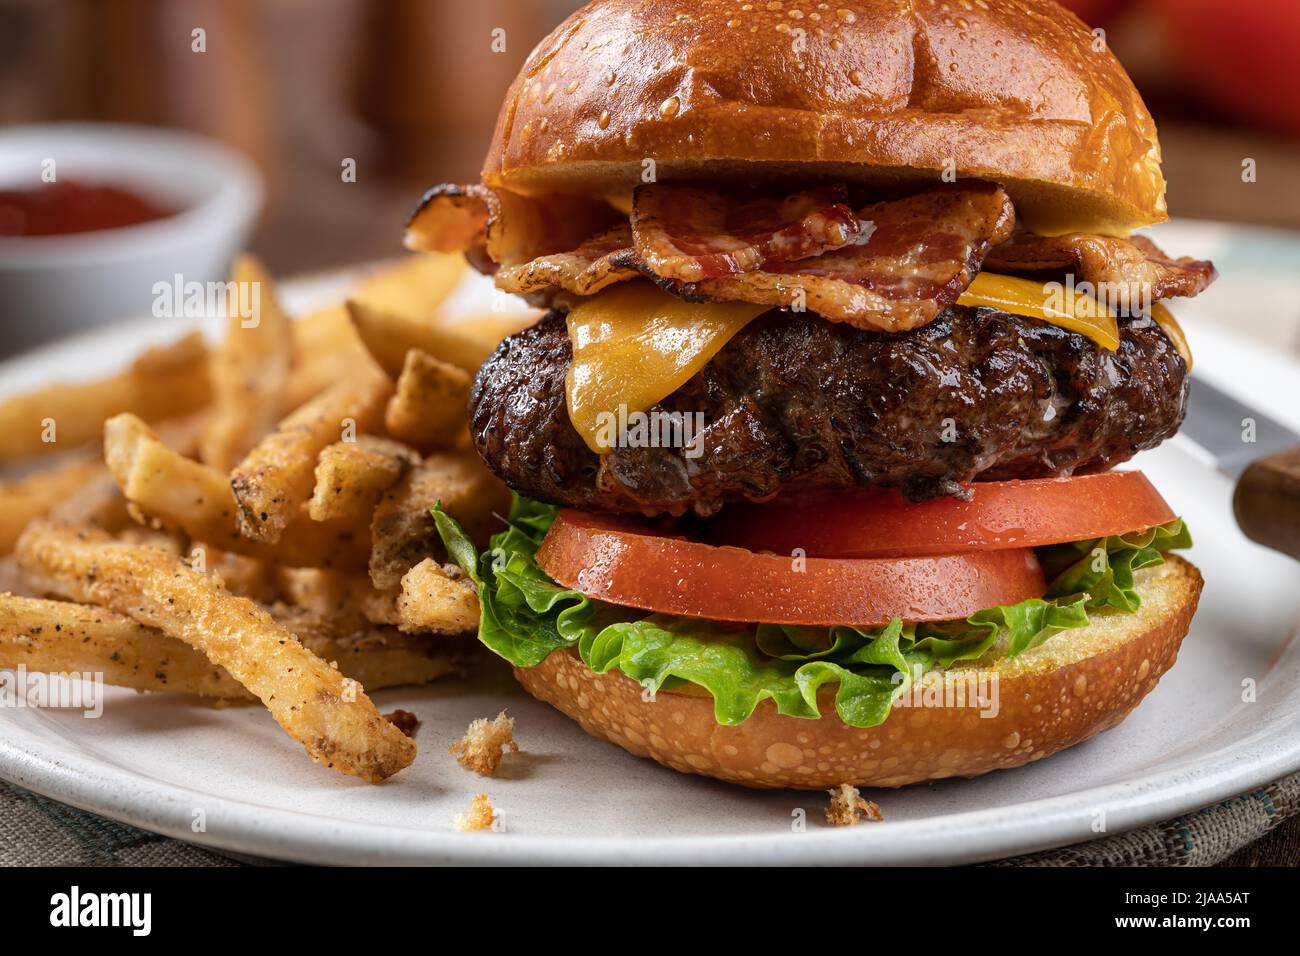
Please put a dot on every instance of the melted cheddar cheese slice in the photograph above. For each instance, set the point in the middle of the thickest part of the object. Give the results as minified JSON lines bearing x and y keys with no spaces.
{"x":634,"y":345}
{"x":1067,"y":307}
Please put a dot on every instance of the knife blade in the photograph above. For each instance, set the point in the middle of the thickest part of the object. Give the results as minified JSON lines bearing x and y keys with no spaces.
{"x":1261,"y":454}
{"x":1232,"y":432}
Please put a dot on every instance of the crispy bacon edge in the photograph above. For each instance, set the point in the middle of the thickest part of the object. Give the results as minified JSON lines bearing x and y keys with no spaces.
{"x":595,"y":264}
{"x":497,"y":227}
{"x":453,"y":218}
{"x":1137,"y":266}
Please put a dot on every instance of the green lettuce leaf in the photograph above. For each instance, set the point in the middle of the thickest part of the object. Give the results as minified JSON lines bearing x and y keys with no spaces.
{"x":1102,"y":569}
{"x":526,"y":616}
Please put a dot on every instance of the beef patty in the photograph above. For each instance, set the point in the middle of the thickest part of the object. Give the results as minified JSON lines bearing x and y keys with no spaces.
{"x":794,"y":401}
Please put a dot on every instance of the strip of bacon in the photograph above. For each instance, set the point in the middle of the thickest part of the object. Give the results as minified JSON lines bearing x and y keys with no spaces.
{"x":921,"y":256}
{"x":596,"y":263}
{"x":1135,"y":271}
{"x":451,"y":218}
{"x":496,"y":227}
{"x":688,"y":233}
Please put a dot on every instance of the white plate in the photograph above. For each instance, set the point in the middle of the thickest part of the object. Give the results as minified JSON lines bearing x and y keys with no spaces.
{"x":161,"y":762}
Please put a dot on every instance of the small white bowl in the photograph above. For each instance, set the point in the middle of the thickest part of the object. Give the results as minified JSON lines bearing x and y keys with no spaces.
{"x":51,"y":286}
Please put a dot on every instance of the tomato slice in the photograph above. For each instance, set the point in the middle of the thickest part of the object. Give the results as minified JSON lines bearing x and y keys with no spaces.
{"x":619,"y":561}
{"x":1000,"y":514}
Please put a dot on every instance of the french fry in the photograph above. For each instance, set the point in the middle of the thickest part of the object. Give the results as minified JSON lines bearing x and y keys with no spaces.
{"x":249,"y":372}
{"x":352,"y":476}
{"x":337,"y":544}
{"x":389,"y":336}
{"x":11,"y":578}
{"x":277,"y":477}
{"x":375,"y":656}
{"x":438,"y":599}
{"x":489,"y":328}
{"x":326,"y":348}
{"x":182,"y":434}
{"x":165,"y":382}
{"x":167,"y":485}
{"x":331,"y":717}
{"x":414,"y":286}
{"x":403,"y":532}
{"x":151,"y":535}
{"x":198,"y":499}
{"x":33,"y":496}
{"x":242,"y":575}
{"x":337,"y":596}
{"x":326,"y":330}
{"x":428,"y":407}
{"x":98,"y":503}
{"x":65,"y":637}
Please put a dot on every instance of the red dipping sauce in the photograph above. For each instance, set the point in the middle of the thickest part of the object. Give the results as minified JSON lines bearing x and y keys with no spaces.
{"x":64,"y":208}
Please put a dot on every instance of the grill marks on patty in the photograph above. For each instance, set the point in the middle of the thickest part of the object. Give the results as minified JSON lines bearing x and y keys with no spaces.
{"x":794,"y":401}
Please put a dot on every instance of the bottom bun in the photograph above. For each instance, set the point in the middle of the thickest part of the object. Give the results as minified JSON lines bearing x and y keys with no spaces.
{"x":1076,"y":684}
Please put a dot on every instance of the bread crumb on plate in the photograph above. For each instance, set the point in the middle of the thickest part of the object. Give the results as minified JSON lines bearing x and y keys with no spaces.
{"x":485,"y":743}
{"x":480,"y":815}
{"x":847,"y":807}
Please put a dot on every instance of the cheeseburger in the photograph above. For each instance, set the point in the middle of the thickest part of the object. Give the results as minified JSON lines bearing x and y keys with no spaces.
{"x":815,"y":448}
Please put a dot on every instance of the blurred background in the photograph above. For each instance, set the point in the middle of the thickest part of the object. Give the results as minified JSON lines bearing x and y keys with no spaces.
{"x":409,"y":89}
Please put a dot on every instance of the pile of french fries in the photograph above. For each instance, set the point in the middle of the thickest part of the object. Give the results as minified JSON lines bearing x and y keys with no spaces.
{"x":252,"y":521}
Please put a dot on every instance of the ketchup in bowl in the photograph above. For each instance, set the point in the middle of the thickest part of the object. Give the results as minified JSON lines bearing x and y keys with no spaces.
{"x":64,"y":208}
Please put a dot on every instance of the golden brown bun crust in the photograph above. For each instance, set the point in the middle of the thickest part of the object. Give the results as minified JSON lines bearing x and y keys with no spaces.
{"x":1075,"y":685}
{"x":1009,"y":90}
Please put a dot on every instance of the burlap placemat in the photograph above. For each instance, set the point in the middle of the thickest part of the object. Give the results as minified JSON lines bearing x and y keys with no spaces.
{"x":1202,"y":838}
{"x":35,"y":831}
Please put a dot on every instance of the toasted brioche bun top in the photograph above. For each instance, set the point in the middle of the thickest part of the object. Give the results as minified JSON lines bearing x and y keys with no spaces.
{"x":880,"y":91}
